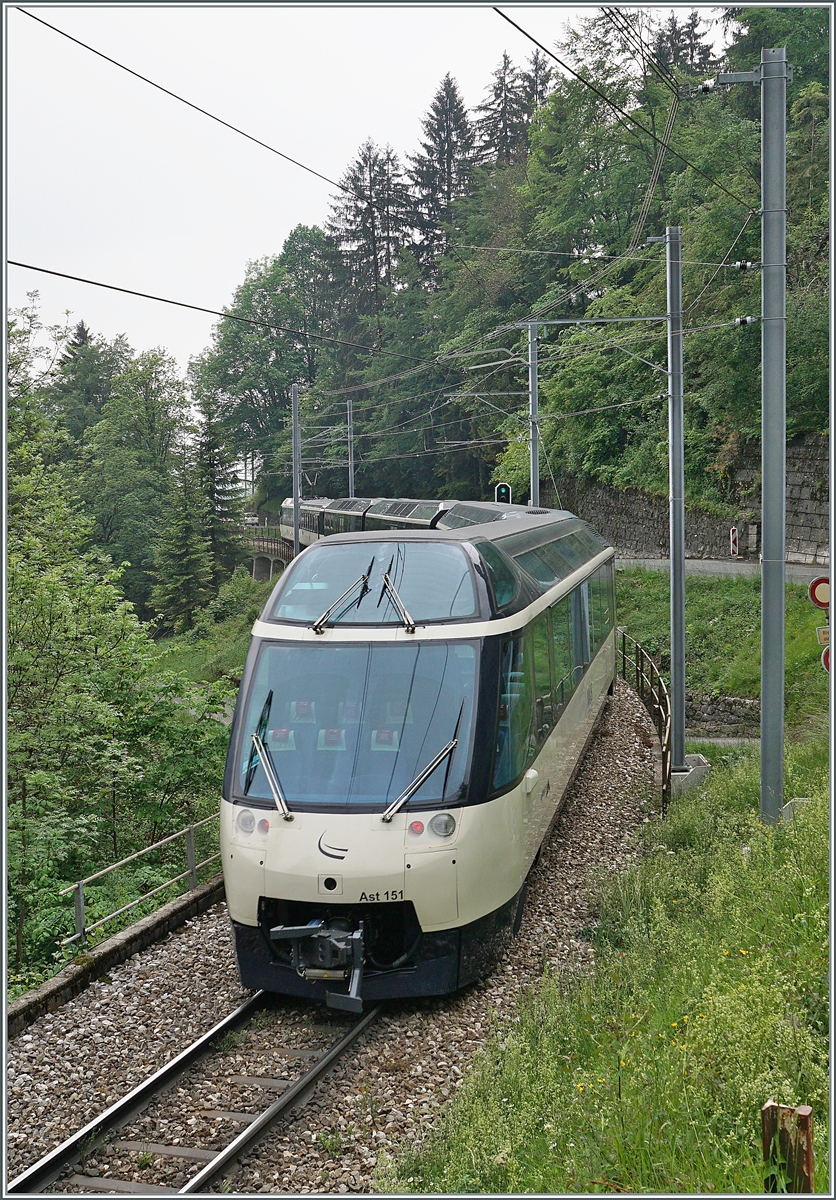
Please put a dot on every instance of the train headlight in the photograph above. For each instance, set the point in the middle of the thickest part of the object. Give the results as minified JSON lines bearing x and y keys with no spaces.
{"x":245,"y":822}
{"x":263,"y":827}
{"x":443,"y":824}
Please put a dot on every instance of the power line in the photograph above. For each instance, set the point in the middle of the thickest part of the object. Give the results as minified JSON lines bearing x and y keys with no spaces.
{"x":620,"y":111}
{"x":684,"y":262}
{"x":724,"y":263}
{"x":188,"y":103}
{"x":639,"y":47}
{"x":302,"y":333}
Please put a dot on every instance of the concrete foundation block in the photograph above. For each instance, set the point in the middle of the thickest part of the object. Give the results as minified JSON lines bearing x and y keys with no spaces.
{"x":697,"y":768}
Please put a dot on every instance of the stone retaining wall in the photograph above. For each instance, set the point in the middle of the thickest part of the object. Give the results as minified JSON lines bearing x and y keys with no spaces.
{"x":637,"y":523}
{"x":721,"y":716}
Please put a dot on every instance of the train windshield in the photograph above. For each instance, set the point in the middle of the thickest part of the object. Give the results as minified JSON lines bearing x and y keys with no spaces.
{"x":352,"y":726}
{"x":432,"y":579}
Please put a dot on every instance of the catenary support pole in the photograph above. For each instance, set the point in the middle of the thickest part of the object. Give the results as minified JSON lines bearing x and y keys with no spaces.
{"x":676,"y":458}
{"x":350,"y":421}
{"x":533,"y":415}
{"x":297,"y":464}
{"x":774,"y":423}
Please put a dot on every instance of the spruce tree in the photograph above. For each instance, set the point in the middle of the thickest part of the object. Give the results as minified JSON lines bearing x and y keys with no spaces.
{"x":367,"y":226}
{"x":218,"y":481}
{"x":502,"y":125}
{"x":536,"y":83}
{"x":443,"y":172}
{"x":84,"y":378}
{"x":182,"y":554}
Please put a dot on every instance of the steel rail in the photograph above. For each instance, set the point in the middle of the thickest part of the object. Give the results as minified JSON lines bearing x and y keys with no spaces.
{"x":47,"y":1169}
{"x":255,"y":1131}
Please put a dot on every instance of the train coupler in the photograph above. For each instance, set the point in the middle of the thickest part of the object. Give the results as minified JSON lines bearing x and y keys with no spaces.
{"x":328,"y":952}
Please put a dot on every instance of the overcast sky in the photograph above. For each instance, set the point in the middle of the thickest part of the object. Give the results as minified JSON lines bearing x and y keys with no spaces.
{"x":110,"y":179}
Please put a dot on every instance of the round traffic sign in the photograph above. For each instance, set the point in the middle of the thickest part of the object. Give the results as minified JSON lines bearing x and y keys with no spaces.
{"x":819,"y":592}
{"x":825,"y":659}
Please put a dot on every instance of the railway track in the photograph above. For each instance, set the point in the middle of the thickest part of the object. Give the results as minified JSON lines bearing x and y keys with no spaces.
{"x":223,"y":1070}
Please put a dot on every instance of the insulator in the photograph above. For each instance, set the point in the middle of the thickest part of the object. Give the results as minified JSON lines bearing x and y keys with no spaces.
{"x":708,"y":85}
{"x":743,"y":266}
{"x":745,"y":320}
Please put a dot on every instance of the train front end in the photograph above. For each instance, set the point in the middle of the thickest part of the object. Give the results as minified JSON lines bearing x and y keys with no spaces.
{"x":349,"y":764}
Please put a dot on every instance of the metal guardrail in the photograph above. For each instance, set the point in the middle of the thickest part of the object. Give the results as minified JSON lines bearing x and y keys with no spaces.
{"x":639,"y":670}
{"x":81,"y":929}
{"x":266,"y":539}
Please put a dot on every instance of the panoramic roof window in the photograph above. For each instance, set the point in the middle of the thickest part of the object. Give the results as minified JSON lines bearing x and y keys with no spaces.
{"x":433,"y":582}
{"x":503,"y":578}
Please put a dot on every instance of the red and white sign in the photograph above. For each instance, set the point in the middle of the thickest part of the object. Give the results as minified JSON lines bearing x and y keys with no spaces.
{"x":825,"y":659}
{"x":819,"y":592}
{"x":735,"y":550}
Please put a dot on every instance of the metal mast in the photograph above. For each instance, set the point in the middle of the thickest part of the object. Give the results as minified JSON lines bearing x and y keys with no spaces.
{"x":297,"y":464}
{"x":533,"y":415}
{"x":774,"y":423}
{"x":676,"y":467}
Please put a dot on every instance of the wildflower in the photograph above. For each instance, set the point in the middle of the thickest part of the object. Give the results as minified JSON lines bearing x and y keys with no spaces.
{"x":743,"y":951}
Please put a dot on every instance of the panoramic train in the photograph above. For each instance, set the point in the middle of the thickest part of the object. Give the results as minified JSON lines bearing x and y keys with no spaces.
{"x":418,"y":692}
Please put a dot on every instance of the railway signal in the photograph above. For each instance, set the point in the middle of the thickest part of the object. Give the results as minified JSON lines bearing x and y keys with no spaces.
{"x":502,"y":493}
{"x":735,"y":546}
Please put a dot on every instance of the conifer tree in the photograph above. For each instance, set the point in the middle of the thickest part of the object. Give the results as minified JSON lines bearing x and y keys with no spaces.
{"x":218,"y":481}
{"x":536,"y":83}
{"x":443,"y":172}
{"x":367,"y":226}
{"x":84,"y":378}
{"x":182,"y":554}
{"x":502,"y":125}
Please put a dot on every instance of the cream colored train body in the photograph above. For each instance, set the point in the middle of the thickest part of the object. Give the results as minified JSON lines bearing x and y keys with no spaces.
{"x":412,"y":710}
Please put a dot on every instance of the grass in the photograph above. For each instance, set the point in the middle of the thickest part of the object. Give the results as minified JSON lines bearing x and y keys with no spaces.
{"x":722,"y":637}
{"x":217,"y":646}
{"x":709,"y":995}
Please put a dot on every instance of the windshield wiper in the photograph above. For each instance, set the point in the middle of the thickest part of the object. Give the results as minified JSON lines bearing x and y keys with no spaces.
{"x":272,"y":777}
{"x":258,"y":748}
{"x":318,"y":625}
{"x":426,"y":773}
{"x":408,"y":623}
{"x":261,"y":729}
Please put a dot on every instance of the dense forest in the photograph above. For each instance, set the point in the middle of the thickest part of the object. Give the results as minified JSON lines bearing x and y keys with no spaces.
{"x":124,"y":490}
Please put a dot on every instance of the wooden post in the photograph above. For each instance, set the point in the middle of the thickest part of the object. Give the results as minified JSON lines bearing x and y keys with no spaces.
{"x":787,"y":1136}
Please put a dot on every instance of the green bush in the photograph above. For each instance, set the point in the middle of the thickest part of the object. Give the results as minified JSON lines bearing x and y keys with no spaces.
{"x":709,"y":995}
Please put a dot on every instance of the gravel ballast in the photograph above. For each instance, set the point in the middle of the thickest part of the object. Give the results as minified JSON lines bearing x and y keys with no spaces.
{"x":71,"y":1064}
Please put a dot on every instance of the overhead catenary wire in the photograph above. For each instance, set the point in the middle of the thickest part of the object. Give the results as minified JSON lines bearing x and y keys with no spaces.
{"x":189,"y":104}
{"x":639,"y":47}
{"x":621,"y":113}
{"x":265,"y":145}
{"x":724,"y":263}
{"x":260,"y":323}
{"x":685,"y":262}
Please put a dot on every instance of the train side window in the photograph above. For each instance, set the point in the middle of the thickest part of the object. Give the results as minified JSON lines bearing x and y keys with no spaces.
{"x":540,"y":639}
{"x":580,"y":629}
{"x":515,"y":744}
{"x":564,"y":679}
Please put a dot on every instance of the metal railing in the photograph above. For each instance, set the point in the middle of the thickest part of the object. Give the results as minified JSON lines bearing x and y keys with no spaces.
{"x":639,"y":670}
{"x":266,"y":539}
{"x":82,"y":929}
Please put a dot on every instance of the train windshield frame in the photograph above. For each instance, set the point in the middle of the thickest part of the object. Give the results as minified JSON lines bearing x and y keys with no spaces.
{"x":433,"y":579}
{"x":348,"y":727}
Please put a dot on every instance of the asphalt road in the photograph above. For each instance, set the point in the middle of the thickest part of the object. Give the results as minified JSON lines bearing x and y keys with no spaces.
{"x":795,"y":572}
